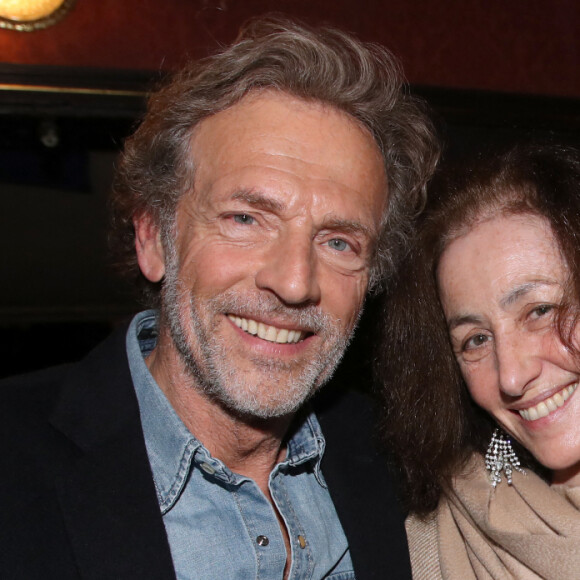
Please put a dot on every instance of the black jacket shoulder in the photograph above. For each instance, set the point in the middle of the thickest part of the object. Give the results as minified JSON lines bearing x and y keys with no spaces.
{"x":363,"y":485}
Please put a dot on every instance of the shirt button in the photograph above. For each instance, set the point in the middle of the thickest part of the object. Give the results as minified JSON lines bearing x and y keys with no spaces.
{"x":207,"y":468}
{"x":302,"y":541}
{"x":262,"y":540}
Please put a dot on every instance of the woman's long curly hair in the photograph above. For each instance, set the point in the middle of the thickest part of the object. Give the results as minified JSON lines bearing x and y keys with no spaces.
{"x":430,"y":422}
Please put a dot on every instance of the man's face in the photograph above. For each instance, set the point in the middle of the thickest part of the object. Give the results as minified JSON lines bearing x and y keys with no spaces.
{"x":269,"y":267}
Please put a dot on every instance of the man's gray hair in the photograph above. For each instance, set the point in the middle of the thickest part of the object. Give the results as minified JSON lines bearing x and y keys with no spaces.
{"x":324,"y":65}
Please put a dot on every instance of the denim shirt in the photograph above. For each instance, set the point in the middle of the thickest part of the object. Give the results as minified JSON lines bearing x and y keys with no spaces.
{"x":219,"y":523}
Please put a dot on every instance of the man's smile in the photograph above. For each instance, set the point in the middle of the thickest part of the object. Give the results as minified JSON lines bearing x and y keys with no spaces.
{"x":267,"y":331}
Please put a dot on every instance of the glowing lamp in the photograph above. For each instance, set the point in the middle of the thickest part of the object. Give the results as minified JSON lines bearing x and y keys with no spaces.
{"x":27,"y":15}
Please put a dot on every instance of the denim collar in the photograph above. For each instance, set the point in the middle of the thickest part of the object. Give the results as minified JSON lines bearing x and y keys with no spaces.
{"x":172,"y":449}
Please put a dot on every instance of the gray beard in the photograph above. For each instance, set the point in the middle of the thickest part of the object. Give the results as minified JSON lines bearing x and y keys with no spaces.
{"x":205,"y":354}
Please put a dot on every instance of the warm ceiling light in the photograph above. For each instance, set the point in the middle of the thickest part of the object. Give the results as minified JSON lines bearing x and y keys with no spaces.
{"x":29,"y":15}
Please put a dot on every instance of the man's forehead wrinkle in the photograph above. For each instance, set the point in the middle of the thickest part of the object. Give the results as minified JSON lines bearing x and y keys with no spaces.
{"x":274,"y":176}
{"x":298,"y":157}
{"x":279,"y":160}
{"x":286,"y":155}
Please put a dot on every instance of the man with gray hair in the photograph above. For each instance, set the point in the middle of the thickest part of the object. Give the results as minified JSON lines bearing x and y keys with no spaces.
{"x":267,"y":190}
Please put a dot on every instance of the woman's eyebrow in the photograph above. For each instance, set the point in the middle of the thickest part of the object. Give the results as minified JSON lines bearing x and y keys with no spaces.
{"x":461,"y":319}
{"x":514,"y":294}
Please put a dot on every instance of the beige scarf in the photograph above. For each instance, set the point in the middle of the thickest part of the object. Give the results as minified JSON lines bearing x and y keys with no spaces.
{"x":524,"y":531}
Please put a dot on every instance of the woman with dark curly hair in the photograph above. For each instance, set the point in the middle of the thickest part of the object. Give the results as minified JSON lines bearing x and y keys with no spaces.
{"x":480,"y":367}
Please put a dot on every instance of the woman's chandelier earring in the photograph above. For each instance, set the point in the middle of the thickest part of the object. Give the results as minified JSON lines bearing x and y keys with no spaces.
{"x":500,"y":457}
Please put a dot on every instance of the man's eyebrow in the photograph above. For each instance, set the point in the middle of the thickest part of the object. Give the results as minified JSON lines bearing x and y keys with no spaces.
{"x":256,"y":199}
{"x":516,"y":293}
{"x":350,"y":226}
{"x":259,"y":200}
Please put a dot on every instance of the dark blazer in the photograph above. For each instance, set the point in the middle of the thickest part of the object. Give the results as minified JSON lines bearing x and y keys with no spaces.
{"x":77,"y":498}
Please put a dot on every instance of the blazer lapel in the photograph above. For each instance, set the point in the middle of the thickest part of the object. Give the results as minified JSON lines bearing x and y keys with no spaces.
{"x":105,"y":486}
{"x":362,"y":487}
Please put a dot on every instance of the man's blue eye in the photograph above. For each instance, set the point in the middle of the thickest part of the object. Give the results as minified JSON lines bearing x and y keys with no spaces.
{"x":243,"y":218}
{"x":338,"y":244}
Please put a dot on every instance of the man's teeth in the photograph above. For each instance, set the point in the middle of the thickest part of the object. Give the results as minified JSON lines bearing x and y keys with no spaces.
{"x":267,"y":332}
{"x":546,"y":407}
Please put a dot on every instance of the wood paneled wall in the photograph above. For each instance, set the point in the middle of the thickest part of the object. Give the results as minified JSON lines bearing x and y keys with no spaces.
{"x":518,"y":46}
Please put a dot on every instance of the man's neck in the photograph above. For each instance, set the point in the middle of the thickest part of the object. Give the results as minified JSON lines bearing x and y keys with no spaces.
{"x":248,"y":446}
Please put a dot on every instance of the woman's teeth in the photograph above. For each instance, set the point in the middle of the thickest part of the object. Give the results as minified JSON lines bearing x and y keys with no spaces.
{"x":546,"y":407}
{"x":267,"y":332}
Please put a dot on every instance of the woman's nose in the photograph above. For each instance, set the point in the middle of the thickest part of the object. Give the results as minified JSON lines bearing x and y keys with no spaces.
{"x":517,"y":362}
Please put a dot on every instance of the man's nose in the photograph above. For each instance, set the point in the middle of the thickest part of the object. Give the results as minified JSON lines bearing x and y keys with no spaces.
{"x":290,"y":270}
{"x":517,"y":362}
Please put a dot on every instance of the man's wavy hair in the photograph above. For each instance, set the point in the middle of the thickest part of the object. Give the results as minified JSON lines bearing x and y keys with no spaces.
{"x":322,"y":65}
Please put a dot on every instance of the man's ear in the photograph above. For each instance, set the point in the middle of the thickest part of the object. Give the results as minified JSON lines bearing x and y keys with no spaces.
{"x":149,"y":248}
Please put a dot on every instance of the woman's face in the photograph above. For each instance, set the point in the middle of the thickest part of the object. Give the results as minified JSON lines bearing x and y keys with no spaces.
{"x":500,"y":285}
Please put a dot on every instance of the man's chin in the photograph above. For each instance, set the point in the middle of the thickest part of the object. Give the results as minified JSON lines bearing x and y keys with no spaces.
{"x":256,"y":408}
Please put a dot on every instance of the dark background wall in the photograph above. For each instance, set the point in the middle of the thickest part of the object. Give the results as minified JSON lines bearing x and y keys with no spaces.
{"x":491,"y":69}
{"x":524,"y":46}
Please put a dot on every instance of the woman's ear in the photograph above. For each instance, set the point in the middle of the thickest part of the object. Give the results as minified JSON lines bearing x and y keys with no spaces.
{"x":150,"y":254}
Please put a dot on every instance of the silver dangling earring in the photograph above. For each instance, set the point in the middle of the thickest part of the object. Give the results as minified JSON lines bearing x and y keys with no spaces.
{"x":500,"y":457}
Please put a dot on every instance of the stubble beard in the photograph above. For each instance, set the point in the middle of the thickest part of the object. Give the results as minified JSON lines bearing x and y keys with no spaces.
{"x":272,"y":387}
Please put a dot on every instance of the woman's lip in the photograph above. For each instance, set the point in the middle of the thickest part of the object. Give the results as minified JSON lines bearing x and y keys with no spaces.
{"x":522,"y":405}
{"x":549,"y":404}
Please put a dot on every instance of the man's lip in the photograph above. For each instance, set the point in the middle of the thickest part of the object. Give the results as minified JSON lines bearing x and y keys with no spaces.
{"x":275,"y":333}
